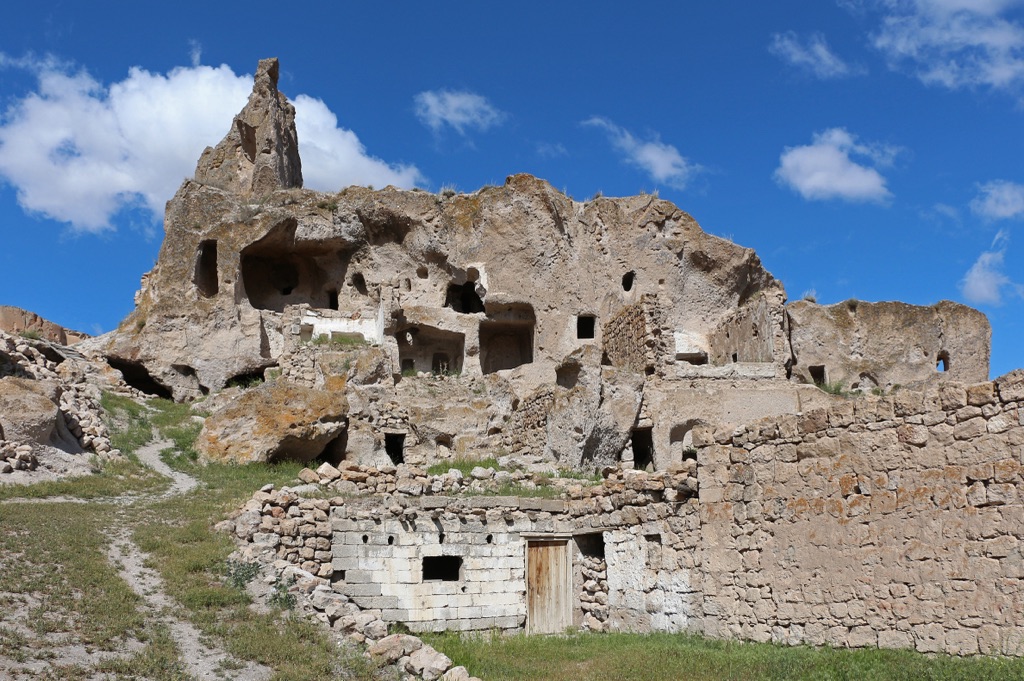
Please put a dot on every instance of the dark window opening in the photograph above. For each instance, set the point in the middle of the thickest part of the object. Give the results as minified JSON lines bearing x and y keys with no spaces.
{"x":591,"y":545}
{"x":606,"y":361}
{"x":643,"y":448}
{"x":586,"y":327}
{"x":817,"y":372}
{"x":394,"y":445}
{"x":422,"y":272}
{"x":942,"y":361}
{"x":338,"y":576}
{"x":735,"y":357}
{"x":442,"y":568}
{"x":463,"y":298}
{"x":441,"y":363}
{"x":649,"y":371}
{"x":359,"y":283}
{"x":332,"y":299}
{"x":137,"y":376}
{"x":205,"y":275}
{"x":628,"y":279}
{"x":408,"y":366}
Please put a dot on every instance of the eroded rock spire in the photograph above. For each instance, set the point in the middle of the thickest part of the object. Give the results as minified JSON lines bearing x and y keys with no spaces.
{"x":261,"y":151}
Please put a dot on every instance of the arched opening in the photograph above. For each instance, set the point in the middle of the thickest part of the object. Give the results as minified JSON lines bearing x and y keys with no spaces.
{"x":359,"y":283}
{"x":205,"y":275}
{"x":942,"y":361}
{"x":394,"y":446}
{"x":137,"y":376}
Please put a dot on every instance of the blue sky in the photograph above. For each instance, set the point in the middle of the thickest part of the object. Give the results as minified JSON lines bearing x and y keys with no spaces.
{"x":869,"y":149}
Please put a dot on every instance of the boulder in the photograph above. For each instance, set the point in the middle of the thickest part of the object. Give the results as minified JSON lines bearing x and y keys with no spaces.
{"x":429,"y":663}
{"x":390,"y":648}
{"x":274,"y":422}
{"x":29,"y":413}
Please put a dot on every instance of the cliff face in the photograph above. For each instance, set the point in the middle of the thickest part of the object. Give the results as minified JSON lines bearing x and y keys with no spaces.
{"x":578,"y":332}
{"x":496,"y":279}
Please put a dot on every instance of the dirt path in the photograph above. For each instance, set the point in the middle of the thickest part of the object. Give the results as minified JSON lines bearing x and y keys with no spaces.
{"x":203,"y":660}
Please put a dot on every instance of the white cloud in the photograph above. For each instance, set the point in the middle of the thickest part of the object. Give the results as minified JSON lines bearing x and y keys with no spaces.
{"x":459,"y":110}
{"x":953,"y":43}
{"x":79,"y":152}
{"x":333,"y":157}
{"x":999,"y":200}
{"x":662,"y":162}
{"x":812,"y":55}
{"x":824,"y":169}
{"x":551,"y":150}
{"x":985,"y":282}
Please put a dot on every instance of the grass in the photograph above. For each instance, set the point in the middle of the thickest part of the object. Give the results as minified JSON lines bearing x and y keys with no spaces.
{"x":60,"y":558}
{"x":54,"y":566}
{"x":338,"y":340}
{"x":463,"y":465}
{"x":665,"y":657}
{"x":833,"y":388}
{"x":31,"y":334}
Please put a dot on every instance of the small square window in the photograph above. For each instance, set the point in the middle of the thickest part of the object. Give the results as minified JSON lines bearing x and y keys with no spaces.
{"x":442,"y":568}
{"x":586,"y":327}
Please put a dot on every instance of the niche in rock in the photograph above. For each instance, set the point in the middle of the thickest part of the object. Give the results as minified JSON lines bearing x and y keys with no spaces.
{"x":506,"y":338}
{"x":942,"y":361}
{"x":463,"y":298}
{"x":137,"y":376}
{"x":818,"y":374}
{"x":274,"y":274}
{"x":423,"y":348}
{"x":681,"y":441}
{"x":204,"y":276}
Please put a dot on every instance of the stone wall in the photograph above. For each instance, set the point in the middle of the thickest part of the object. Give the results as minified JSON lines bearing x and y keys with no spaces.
{"x":755,"y":332}
{"x":526,"y":432}
{"x":635,"y":338}
{"x":889,"y":521}
{"x":894,"y":522}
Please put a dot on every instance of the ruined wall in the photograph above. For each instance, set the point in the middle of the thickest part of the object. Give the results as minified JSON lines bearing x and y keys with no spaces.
{"x":755,"y":332}
{"x":526,"y":432}
{"x":867,"y":345}
{"x":635,"y":338}
{"x":894,"y":522}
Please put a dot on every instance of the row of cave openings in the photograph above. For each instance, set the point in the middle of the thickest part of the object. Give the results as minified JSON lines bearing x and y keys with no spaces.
{"x":818,"y":373}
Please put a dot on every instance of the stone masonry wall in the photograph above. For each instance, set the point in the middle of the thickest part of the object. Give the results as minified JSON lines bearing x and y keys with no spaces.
{"x":526,"y":432}
{"x":893,"y":522}
{"x":635,"y":338}
{"x":753,"y":333}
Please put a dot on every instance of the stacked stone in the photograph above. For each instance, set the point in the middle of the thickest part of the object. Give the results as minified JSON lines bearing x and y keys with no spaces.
{"x":636,"y":337}
{"x":594,"y":597}
{"x":300,"y":366}
{"x":79,"y":400}
{"x":15,"y":457}
{"x":906,"y":511}
{"x":526,"y":433}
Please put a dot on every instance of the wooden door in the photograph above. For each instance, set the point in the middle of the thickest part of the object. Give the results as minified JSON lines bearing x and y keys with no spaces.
{"x":548,"y":586}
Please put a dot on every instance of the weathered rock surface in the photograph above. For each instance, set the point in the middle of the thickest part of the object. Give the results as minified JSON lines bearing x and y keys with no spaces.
{"x":14,"y":320}
{"x":867,"y":345}
{"x":260,"y":153}
{"x":274,"y":422}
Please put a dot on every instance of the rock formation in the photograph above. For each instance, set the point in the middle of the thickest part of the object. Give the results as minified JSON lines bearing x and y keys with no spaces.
{"x":513,"y":320}
{"x":16,"y":321}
